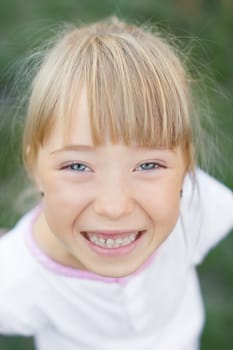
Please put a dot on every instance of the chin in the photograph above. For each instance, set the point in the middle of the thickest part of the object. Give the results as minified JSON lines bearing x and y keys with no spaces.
{"x":115,"y":271}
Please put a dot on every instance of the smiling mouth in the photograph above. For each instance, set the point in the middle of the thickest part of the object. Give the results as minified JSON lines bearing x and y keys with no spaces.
{"x":112,"y":241}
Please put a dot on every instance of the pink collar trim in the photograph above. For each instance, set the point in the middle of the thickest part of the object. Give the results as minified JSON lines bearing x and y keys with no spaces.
{"x":60,"y":269}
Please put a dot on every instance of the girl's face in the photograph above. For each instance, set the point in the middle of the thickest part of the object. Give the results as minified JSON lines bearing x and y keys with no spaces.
{"x":106,"y":209}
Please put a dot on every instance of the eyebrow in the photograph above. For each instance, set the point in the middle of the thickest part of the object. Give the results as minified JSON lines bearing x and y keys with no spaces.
{"x":86,"y":148}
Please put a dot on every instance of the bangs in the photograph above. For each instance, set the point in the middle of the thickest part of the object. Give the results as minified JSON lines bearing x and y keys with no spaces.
{"x":132,"y":96}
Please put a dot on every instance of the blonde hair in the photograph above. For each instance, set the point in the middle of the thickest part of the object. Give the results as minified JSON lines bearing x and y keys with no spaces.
{"x":137,"y":89}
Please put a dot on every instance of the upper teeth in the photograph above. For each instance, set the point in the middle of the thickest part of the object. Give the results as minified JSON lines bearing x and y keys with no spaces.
{"x":112,"y":243}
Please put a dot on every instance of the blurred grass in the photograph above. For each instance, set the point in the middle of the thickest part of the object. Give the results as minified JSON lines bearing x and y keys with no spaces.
{"x":209,"y":25}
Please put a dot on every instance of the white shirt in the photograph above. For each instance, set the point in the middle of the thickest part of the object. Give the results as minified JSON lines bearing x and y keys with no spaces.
{"x":159,"y":307}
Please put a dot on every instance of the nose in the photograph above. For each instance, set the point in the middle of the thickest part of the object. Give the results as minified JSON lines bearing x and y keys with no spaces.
{"x":113,"y":201}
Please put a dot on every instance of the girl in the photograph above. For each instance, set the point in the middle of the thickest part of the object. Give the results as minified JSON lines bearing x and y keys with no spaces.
{"x":107,"y":260}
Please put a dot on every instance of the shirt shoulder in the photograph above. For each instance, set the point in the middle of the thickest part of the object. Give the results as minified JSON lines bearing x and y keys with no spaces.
{"x":207,"y":214}
{"x":19,"y":283}
{"x":16,"y":264}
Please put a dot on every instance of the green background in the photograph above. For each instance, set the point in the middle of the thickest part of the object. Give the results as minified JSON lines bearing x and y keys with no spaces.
{"x":206,"y":30}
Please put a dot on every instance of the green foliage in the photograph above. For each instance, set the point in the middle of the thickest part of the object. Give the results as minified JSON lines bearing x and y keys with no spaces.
{"x":217,"y":284}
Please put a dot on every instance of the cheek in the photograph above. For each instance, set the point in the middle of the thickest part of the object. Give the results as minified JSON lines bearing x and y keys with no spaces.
{"x":63,"y":204}
{"x":61,"y":191}
{"x":162,"y":202}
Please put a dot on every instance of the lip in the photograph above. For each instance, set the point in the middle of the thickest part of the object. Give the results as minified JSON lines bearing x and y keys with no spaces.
{"x":114,"y":252}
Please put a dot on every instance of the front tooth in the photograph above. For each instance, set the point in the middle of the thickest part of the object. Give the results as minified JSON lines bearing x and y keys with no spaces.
{"x":109,"y":243}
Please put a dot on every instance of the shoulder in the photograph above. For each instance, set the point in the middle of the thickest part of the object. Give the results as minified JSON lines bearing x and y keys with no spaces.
{"x":208,"y":196}
{"x":15,"y":260}
{"x":207,"y":213}
{"x":208,"y":182}
{"x":19,"y":282}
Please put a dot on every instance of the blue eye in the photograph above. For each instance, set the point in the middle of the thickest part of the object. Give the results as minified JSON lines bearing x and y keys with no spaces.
{"x":149,"y":166}
{"x":78,"y":167}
